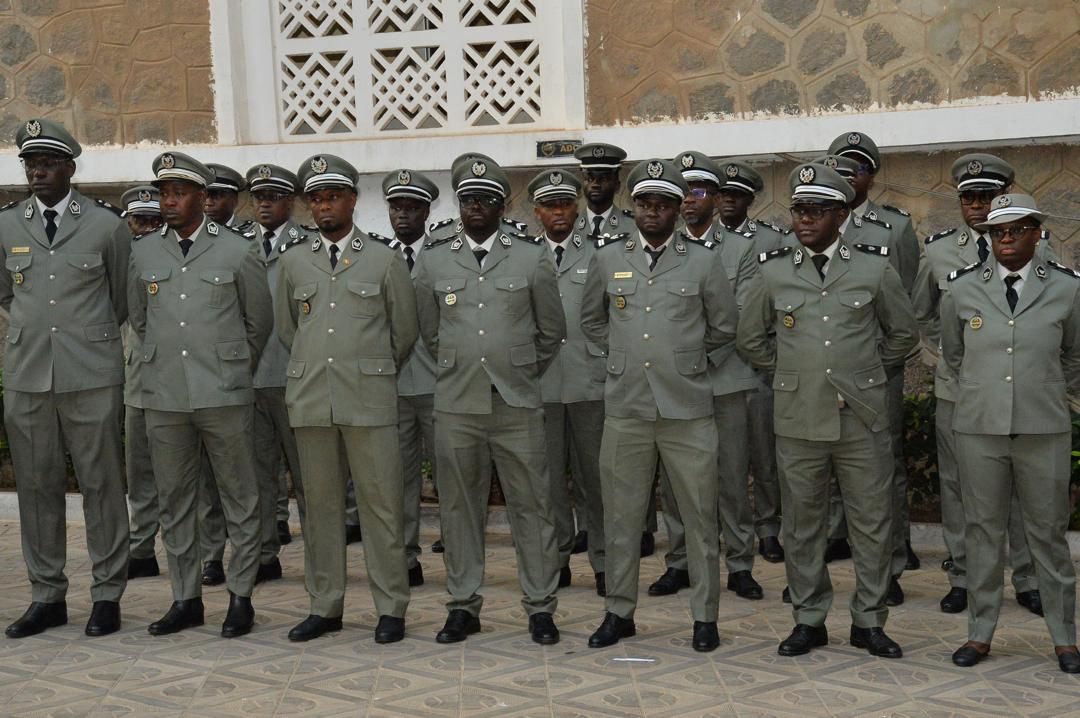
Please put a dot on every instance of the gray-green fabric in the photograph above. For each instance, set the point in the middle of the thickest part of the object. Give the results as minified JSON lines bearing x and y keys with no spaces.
{"x":141,"y":488}
{"x":616,"y":221}
{"x":903,"y":244}
{"x":63,"y":371}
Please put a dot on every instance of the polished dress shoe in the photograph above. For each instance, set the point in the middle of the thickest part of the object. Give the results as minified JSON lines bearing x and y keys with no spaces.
{"x":268,"y":571}
{"x":706,"y":637}
{"x":239,"y":619}
{"x":875,"y":641}
{"x":143,"y":568}
{"x":672,"y":580}
{"x":955,"y":600}
{"x":390,"y":629}
{"x":648,"y":544}
{"x":895,"y":595}
{"x":913,"y":562}
{"x":1069,"y":661}
{"x":1031,"y":600}
{"x":802,"y":639}
{"x":353,"y":534}
{"x":771,"y":550}
{"x":786,"y":595}
{"x":213,"y":573}
{"x":968,"y":655}
{"x":744,"y":586}
{"x":581,"y":542}
{"x":416,"y":576}
{"x":38,"y":617}
{"x":564,"y":577}
{"x":104,"y":618}
{"x":181,"y":615}
{"x":283,"y":533}
{"x":611,"y":630}
{"x":837,"y":550}
{"x":601,"y":584}
{"x":460,"y":624}
{"x":543,"y":630}
{"x":312,"y":627}
{"x":437,"y":547}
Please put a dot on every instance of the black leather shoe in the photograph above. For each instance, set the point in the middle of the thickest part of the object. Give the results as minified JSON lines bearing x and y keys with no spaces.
{"x":802,"y":639}
{"x":648,"y":544}
{"x":564,"y":577}
{"x":416,"y":576}
{"x":1069,"y":662}
{"x":837,"y":550}
{"x":239,"y":619}
{"x":38,"y":617}
{"x":875,"y":641}
{"x":786,"y":595}
{"x":955,"y":601}
{"x":437,"y":547}
{"x":706,"y":637}
{"x":601,"y":584}
{"x":895,"y":595}
{"x":611,"y":630}
{"x":312,"y":627}
{"x":283,"y":533}
{"x":181,"y":615}
{"x":543,"y":630}
{"x":913,"y":562}
{"x":390,"y":629}
{"x":967,"y":656}
{"x":268,"y":571}
{"x":213,"y":573}
{"x":581,"y":542}
{"x":143,"y":568}
{"x":672,"y":580}
{"x":460,"y":624}
{"x":1031,"y":600}
{"x":353,"y":534}
{"x":744,"y":586}
{"x":771,"y":550}
{"x":104,"y":618}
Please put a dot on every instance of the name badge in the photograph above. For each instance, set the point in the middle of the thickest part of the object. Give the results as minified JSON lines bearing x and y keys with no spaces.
{"x":622,"y":275}
{"x":20,"y":250}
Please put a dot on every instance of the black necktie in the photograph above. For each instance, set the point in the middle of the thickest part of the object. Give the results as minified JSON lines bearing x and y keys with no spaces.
{"x":984,"y":250}
{"x":50,"y":224}
{"x":819,"y":261}
{"x":333,"y":255}
{"x":654,"y":255}
{"x":1010,"y":290}
{"x":558,"y":255}
{"x":597,"y":225}
{"x":409,"y":259}
{"x":185,"y":245}
{"x":480,"y":254}
{"x":268,"y":246}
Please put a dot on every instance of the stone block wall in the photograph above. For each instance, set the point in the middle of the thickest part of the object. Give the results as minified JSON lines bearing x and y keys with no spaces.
{"x":653,"y":60}
{"x":117,"y":72}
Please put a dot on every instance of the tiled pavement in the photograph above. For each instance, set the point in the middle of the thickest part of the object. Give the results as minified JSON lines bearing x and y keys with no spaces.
{"x":500,"y":672}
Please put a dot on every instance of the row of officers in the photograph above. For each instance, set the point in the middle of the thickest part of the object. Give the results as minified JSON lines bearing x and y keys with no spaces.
{"x":676,"y":341}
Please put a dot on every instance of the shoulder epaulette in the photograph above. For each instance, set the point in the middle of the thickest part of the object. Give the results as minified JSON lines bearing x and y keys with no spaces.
{"x":520,"y":226}
{"x":772,"y":226}
{"x":879,"y":222}
{"x":939,"y":235}
{"x":100,"y":203}
{"x":1062,"y":268}
{"x":899,"y":211}
{"x":610,"y":240}
{"x":441,"y":223}
{"x":137,"y":237}
{"x":965,"y":270}
{"x":780,"y":252}
{"x":874,"y":249}
{"x":245,"y":232}
{"x":388,"y":241}
{"x":292,"y":243}
{"x":309,"y":227}
{"x":8,"y":206}
{"x":437,"y":242}
{"x":527,"y":238}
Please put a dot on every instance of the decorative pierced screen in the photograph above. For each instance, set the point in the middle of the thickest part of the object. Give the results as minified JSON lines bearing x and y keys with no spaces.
{"x":375,"y":67}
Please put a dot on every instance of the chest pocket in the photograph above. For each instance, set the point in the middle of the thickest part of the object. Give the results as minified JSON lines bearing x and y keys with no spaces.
{"x":577,"y":287}
{"x":787,"y":307}
{"x":448,"y":292}
{"x":513,"y":295}
{"x":16,"y":266}
{"x":222,"y":287}
{"x":303,"y":295}
{"x":857,"y":302}
{"x":87,"y":265}
{"x":365,"y":298}
{"x":153,"y":282}
{"x":683,"y":299}
{"x":621,"y":299}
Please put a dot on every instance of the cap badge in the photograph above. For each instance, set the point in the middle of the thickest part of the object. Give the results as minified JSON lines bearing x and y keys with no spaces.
{"x":265,"y":172}
{"x":403,"y":177}
{"x":1004,"y":201}
{"x":807,"y":175}
{"x":830,"y":162}
{"x":479,"y":169}
{"x":555,"y":178}
{"x":318,"y":165}
{"x":975,"y":167}
{"x":168,"y":161}
{"x":144,"y":195}
{"x":597,"y":152}
{"x":687,"y":161}
{"x":854,"y":138}
{"x":33,"y":128}
{"x":732,"y":171}
{"x":655,"y":170}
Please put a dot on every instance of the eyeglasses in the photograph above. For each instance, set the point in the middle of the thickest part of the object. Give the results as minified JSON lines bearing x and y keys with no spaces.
{"x":811,"y":211}
{"x":33,"y":164}
{"x":268,"y":197}
{"x":976,"y":197}
{"x":700,"y":193}
{"x":480,"y":200}
{"x":998,"y":233}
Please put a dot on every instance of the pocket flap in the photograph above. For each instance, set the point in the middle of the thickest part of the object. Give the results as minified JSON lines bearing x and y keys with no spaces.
{"x":155,"y":275}
{"x":869,"y":378}
{"x":450,"y":284}
{"x":377,"y":366}
{"x":855,"y":300}
{"x":691,"y":361}
{"x":296,"y":368}
{"x":305,"y":291}
{"x":85,"y":261}
{"x":621,"y":286}
{"x":364,"y":289}
{"x":234,"y":349}
{"x":616,"y":362}
{"x":446,"y":357}
{"x":787,"y":304}
{"x":523,"y":354}
{"x":13,"y":334}
{"x":785,"y":381}
{"x":595,"y":349}
{"x":217,"y":276}
{"x":102,"y":332}
{"x":148,"y":351}
{"x":576,"y":278}
{"x":511,"y":284}
{"x":683,"y":289}
{"x":16,"y":263}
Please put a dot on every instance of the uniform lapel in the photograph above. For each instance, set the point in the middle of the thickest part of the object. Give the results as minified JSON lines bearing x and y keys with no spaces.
{"x":1033,"y":287}
{"x":463,"y":255}
{"x":498,"y":252}
{"x":671,"y":258}
{"x":34,"y":224}
{"x":202,"y":244}
{"x":70,"y":221}
{"x":995,"y":288}
{"x":838,"y":265}
{"x":170,"y":246}
{"x":571,"y":256}
{"x":350,"y":254}
{"x":804,"y":268}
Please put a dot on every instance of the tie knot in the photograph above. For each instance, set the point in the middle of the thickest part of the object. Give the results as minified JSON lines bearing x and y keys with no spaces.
{"x":1012,"y":279}
{"x":50,"y":214}
{"x":334,"y":249}
{"x":269,"y":235}
{"x":819,"y":261}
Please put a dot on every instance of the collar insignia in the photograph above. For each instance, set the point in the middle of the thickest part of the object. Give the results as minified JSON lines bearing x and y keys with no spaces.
{"x":798,"y":257}
{"x":630,"y":244}
{"x":164,"y":229}
{"x":614,"y":221}
{"x":316,"y":244}
{"x":357,"y":244}
{"x":987,"y":273}
{"x":680,"y":248}
{"x":1040,"y":272}
{"x":856,"y":220}
{"x":293,"y":234}
{"x":458,"y":227}
{"x":962,"y":240}
{"x":845,"y":253}
{"x":504,"y":240}
{"x":212,"y":229}
{"x":29,"y":213}
{"x":74,"y":208}
{"x":577,"y":241}
{"x":751,"y":225}
{"x":456,"y":245}
{"x":871,"y":214}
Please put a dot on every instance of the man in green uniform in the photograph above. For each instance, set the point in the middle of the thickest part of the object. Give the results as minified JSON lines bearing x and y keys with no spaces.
{"x":223,"y":197}
{"x":490,"y":315}
{"x":573,"y":386}
{"x":979,"y":179}
{"x":1010,"y":333}
{"x":201,"y":306}
{"x":662,"y":308}
{"x":65,"y":295}
{"x":827,"y":318}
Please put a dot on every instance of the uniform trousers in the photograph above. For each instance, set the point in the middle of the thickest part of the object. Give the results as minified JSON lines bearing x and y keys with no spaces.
{"x":273,"y":439}
{"x":416,"y":437}
{"x":141,"y":488}
{"x":762,"y":442}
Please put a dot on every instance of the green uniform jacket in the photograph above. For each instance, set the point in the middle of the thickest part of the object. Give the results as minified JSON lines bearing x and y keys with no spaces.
{"x":1015,"y":369}
{"x":578,"y":371}
{"x":765,"y":236}
{"x":661,"y":327}
{"x":832,"y":336}
{"x":274,"y":361}
{"x":619,"y":221}
{"x":349,"y":329}
{"x":66,"y":301}
{"x":203,"y":319}
{"x":903,"y":244}
{"x":416,"y":377}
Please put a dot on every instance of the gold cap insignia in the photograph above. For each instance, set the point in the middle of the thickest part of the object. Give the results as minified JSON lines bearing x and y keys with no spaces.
{"x":807,"y":175}
{"x":33,"y":128}
{"x":479,"y":169}
{"x":975,"y":167}
{"x":403,"y":177}
{"x":732,"y":171}
{"x":655,"y":170}
{"x":318,"y":165}
{"x":168,"y":161}
{"x":555,"y":178}
{"x":854,"y":138}
{"x":265,"y":172}
{"x":144,"y":195}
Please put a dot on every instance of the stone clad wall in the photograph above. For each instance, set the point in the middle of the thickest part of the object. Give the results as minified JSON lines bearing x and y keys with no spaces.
{"x":116,"y":71}
{"x":651,"y":60}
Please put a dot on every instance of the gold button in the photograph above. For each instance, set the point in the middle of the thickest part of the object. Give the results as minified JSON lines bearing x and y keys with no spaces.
{"x":828,"y":371}
{"x":648,"y":309}
{"x":480,"y":305}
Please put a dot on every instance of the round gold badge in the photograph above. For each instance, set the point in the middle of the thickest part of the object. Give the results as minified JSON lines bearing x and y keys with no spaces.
{"x":620,"y":302}
{"x":451,"y":299}
{"x":17,"y":277}
{"x":976,"y":322}
{"x":789,"y":321}
{"x":152,"y":288}
{"x":305,"y":307}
